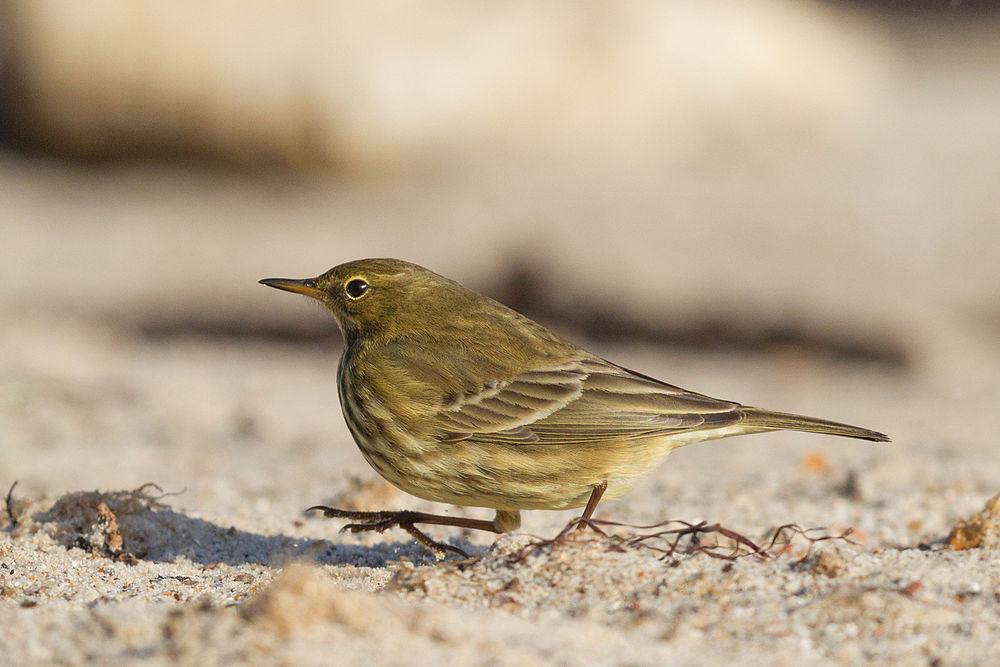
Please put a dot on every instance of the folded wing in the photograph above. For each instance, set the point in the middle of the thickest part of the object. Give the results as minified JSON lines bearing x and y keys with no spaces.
{"x":584,"y":400}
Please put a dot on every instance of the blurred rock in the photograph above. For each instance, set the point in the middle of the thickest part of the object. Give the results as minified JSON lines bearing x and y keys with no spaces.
{"x":406,"y":85}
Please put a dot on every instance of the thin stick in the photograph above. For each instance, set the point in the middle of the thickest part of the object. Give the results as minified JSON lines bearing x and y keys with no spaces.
{"x":675,"y":531}
{"x":10,"y":506}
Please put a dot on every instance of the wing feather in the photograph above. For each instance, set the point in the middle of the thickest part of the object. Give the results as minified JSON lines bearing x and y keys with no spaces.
{"x":588,"y":400}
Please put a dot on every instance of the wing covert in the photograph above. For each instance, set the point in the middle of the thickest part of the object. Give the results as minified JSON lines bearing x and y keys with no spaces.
{"x":507,"y":409}
{"x":587,"y":401}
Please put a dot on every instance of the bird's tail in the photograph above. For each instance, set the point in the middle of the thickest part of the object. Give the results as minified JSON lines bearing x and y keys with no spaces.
{"x":765,"y":420}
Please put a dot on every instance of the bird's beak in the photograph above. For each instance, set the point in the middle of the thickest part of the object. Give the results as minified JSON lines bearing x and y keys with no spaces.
{"x":305,"y":286}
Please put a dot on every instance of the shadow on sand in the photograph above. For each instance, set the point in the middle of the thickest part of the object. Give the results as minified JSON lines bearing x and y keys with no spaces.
{"x":128,"y":525}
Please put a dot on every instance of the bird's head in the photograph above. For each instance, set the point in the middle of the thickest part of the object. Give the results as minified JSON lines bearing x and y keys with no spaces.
{"x":386,"y":297}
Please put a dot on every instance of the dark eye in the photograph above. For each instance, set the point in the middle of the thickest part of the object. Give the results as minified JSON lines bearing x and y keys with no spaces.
{"x":356,"y":288}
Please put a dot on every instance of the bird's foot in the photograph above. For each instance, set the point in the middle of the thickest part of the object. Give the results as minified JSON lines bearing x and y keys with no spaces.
{"x":578,"y":525}
{"x":586,"y":520}
{"x":382,"y":521}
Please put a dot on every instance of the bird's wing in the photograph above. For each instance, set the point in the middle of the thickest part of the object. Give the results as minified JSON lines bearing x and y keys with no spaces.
{"x":506,"y":409}
{"x":586,"y":400}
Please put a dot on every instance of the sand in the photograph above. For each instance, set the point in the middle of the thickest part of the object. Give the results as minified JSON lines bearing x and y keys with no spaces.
{"x":219,"y":565}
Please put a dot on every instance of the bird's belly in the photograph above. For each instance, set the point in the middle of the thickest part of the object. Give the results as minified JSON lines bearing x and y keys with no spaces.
{"x":510,"y":477}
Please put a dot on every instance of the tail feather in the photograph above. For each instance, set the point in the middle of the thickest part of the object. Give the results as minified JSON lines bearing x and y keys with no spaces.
{"x":767,"y":420}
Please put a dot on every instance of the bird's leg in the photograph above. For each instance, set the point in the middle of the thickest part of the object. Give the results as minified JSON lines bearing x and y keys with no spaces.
{"x":407,"y":520}
{"x":588,"y":511}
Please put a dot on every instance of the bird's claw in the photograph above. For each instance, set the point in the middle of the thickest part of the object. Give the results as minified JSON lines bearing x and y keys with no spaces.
{"x":581,"y":524}
{"x":380,"y":522}
{"x":577,"y":526}
{"x":378,"y":527}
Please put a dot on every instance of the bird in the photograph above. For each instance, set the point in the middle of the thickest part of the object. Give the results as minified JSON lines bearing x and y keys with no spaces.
{"x":455,"y":398}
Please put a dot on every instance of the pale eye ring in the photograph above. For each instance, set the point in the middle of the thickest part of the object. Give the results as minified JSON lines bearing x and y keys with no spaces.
{"x":356,"y":288}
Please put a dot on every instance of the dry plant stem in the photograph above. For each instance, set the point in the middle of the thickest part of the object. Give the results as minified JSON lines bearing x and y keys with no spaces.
{"x":694,"y":532}
{"x":407,"y":520}
{"x":684,"y":539}
{"x":9,"y":506}
{"x":789,"y":531}
{"x":163,"y":494}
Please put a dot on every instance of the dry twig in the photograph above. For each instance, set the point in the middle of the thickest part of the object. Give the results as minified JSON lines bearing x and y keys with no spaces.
{"x":11,"y":514}
{"x":675,"y":539}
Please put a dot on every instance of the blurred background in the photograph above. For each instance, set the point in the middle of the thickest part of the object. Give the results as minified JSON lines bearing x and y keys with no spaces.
{"x":790,"y":203}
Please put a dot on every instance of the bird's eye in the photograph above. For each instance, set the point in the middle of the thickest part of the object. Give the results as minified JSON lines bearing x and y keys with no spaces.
{"x":356,"y":288}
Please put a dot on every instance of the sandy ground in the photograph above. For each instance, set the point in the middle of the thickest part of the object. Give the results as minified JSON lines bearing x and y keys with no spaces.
{"x":242,"y":436}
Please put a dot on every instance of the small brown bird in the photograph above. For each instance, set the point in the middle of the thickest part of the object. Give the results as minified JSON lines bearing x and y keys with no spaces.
{"x":456,"y":398}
